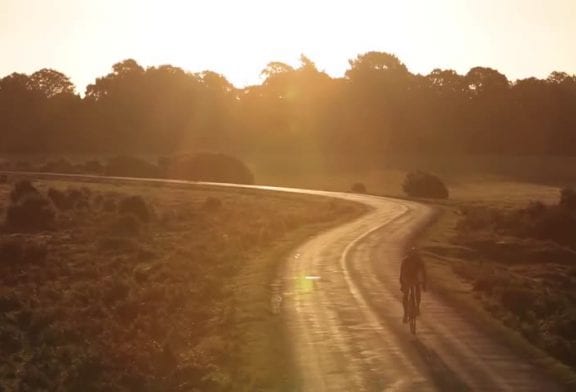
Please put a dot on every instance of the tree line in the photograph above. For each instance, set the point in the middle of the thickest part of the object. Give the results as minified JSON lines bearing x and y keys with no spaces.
{"x":377,"y":107}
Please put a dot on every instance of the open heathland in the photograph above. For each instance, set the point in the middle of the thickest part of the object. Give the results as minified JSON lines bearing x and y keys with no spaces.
{"x":506,"y":251}
{"x":156,"y":287}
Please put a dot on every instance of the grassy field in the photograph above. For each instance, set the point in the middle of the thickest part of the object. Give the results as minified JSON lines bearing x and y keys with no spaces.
{"x":175,"y":295}
{"x":483,"y":256}
{"x":524,"y":283}
{"x":384,"y":174}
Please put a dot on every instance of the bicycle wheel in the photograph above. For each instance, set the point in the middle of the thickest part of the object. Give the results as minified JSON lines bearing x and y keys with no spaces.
{"x":412,"y":310}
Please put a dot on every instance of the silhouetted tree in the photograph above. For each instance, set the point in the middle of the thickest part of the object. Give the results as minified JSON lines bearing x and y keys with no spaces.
{"x":50,"y":83}
{"x":378,"y":107}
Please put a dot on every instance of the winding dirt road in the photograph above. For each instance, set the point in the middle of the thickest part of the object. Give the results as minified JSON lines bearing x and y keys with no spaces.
{"x":343,"y":308}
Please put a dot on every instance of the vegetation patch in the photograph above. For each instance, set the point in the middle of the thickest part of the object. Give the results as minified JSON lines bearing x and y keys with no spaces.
{"x":213,"y":167}
{"x":28,"y":210}
{"x":358,"y":187}
{"x":422,"y":184}
{"x":518,"y":263}
{"x":112,"y":298}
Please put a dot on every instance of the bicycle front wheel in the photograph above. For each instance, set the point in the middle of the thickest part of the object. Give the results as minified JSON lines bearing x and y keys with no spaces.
{"x":412,"y":306}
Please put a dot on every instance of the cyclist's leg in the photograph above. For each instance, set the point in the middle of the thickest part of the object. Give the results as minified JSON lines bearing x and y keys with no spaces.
{"x":405,"y":292}
{"x":418,"y":297}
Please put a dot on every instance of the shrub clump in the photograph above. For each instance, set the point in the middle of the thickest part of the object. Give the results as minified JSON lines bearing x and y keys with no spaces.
{"x":210,"y":167}
{"x":19,"y":251}
{"x":538,"y":221}
{"x":69,"y":199}
{"x":92,"y":167}
{"x":358,"y":187}
{"x":568,"y":198}
{"x":422,"y":184}
{"x":127,"y":166}
{"x":124,"y":225}
{"x":554,"y":223}
{"x":59,"y":199}
{"x":58,"y":166}
{"x":135,"y":206}
{"x":22,"y":189}
{"x":28,"y":210}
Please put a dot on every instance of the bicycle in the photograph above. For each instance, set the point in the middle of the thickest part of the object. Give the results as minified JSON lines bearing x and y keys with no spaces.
{"x":412,"y":309}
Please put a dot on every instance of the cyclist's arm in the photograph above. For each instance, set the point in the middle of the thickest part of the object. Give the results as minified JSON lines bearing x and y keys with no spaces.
{"x":402,"y":272}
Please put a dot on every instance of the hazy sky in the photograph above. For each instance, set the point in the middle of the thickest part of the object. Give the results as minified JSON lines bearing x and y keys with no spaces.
{"x":83,"y":38}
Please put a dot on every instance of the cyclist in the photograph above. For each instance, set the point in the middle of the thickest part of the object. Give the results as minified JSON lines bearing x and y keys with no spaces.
{"x":412,"y":273}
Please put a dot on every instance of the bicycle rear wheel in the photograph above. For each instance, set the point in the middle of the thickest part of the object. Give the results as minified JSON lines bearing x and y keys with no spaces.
{"x":412,"y":306}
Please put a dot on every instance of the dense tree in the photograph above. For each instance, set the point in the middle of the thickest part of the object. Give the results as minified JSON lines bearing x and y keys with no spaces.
{"x":374,"y":63}
{"x":285,"y":113}
{"x":50,"y":83}
{"x":482,"y":80}
{"x":37,"y":112}
{"x":379,"y":106}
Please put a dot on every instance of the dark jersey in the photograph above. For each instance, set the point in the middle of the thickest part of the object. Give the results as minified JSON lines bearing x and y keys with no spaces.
{"x":412,"y":270}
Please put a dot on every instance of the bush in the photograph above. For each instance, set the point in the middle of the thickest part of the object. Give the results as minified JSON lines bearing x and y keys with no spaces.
{"x":536,"y":221}
{"x":80,"y":198}
{"x":518,"y":300}
{"x":568,"y":198}
{"x":92,"y":167}
{"x":478,"y":218}
{"x":210,"y":167}
{"x":69,"y":199}
{"x":10,"y":341}
{"x":9,"y":302}
{"x":22,"y":166}
{"x":58,"y":166}
{"x":32,"y":213}
{"x":422,"y":184}
{"x":127,"y":166}
{"x":135,"y":206}
{"x":358,"y":187}
{"x":18,"y":251}
{"x":29,"y":210}
{"x":535,"y":209}
{"x":59,"y":199}
{"x":556,"y":224}
{"x":126,"y":225}
{"x":22,"y":189}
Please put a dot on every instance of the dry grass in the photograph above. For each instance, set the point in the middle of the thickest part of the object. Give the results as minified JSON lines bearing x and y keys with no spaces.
{"x":110,"y":301}
{"x":526,"y":284}
{"x":487,"y":179}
